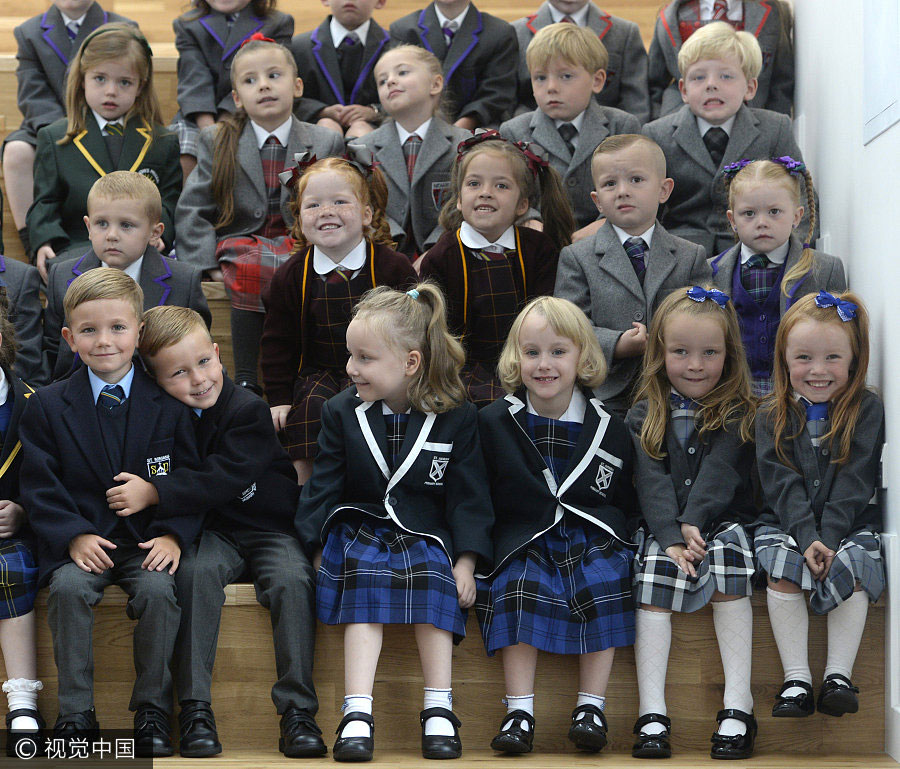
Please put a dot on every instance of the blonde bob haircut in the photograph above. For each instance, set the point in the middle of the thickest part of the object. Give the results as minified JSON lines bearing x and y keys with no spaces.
{"x":103,"y":283}
{"x":719,"y":40}
{"x":566,"y":320}
{"x":573,"y":44}
{"x":128,"y":185}
{"x":168,"y":325}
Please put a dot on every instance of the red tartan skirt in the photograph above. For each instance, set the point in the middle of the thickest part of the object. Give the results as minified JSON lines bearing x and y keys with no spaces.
{"x":248,"y":263}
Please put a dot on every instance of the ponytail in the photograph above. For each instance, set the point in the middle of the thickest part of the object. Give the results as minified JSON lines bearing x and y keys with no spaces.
{"x":805,"y":263}
{"x":556,"y":210}
{"x":225,"y":147}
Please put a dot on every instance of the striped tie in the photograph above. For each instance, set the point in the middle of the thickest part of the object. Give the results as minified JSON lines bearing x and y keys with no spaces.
{"x":569,"y":135}
{"x":636,"y":248}
{"x":114,"y":129}
{"x":720,"y":10}
{"x":72,"y":29}
{"x":449,"y":30}
{"x":111,"y":397}
{"x":567,"y":20}
{"x":411,"y":149}
{"x":338,"y":275}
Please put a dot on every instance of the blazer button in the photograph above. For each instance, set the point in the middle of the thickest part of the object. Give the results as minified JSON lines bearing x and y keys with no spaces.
{"x":570,"y":182}
{"x":824,"y":452}
{"x":816,"y":483}
{"x":257,"y":214}
{"x":762,"y":317}
{"x":638,"y":315}
{"x":762,"y":339}
{"x":687,"y":481}
{"x":692,"y":450}
{"x":392,"y":501}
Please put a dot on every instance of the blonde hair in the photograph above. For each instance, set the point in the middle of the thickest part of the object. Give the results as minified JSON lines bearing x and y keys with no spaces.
{"x":103,"y":283}
{"x":417,"y":320}
{"x":127,"y":185}
{"x":730,"y":403}
{"x":845,"y":409}
{"x":619,"y":142}
{"x":168,"y":325}
{"x":576,"y":45}
{"x":567,"y":320}
{"x":432,"y":64}
{"x":120,"y":42}
{"x":720,"y":40}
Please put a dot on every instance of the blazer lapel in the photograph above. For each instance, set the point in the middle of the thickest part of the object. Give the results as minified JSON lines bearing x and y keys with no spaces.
{"x":94,"y":18}
{"x":245,"y":25}
{"x":724,"y":265}
{"x":135,"y":144}
{"x":793,"y":256}
{"x":517,"y":410}
{"x":431,"y":34}
{"x":437,"y":143}
{"x":84,"y":428}
{"x":53,"y":31}
{"x":464,"y":42}
{"x":393,"y":163}
{"x":91,"y":145}
{"x":594,"y":129}
{"x":596,"y":420}
{"x":86,"y":262}
{"x":154,"y":278}
{"x":544,"y":133}
{"x":598,"y":20}
{"x":661,"y":262}
{"x":372,"y":426}
{"x":541,"y":19}
{"x":11,"y":443}
{"x":299,"y":140}
{"x":755,"y":15}
{"x":217,"y":27}
{"x":251,"y":165}
{"x":417,"y":430}
{"x":620,"y":269}
{"x":375,"y":42}
{"x":687,"y":134}
{"x":325,"y":55}
{"x":143,"y":412}
{"x":744,"y":132}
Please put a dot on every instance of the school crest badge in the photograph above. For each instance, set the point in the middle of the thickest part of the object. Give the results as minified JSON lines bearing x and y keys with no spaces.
{"x":603,"y":479}
{"x":438,"y":468}
{"x":248,"y":493}
{"x":439,"y":193}
{"x":151,"y":174}
{"x":158,"y":466}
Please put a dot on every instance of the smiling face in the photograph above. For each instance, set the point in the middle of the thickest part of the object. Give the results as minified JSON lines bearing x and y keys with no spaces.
{"x":764,"y":215}
{"x":352,"y":13}
{"x":564,"y":90}
{"x":379,"y":370}
{"x":104,"y":334}
{"x":695,"y":353}
{"x":406,"y":87}
{"x":549,"y":365}
{"x":489,"y":197}
{"x":331,"y":216}
{"x":119,"y":230}
{"x":190,"y":370}
{"x":715,"y":89}
{"x":111,"y":87}
{"x":819,"y":357}
{"x":265,"y":86}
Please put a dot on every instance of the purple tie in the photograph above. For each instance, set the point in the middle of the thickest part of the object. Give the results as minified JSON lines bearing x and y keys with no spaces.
{"x":636,"y":248}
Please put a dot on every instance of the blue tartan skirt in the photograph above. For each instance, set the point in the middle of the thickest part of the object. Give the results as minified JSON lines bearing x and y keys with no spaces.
{"x":18,"y":579}
{"x":373,"y":572}
{"x":566,"y":592}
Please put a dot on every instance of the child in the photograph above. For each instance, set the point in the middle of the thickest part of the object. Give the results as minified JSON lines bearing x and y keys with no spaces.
{"x":764,"y":208}
{"x":488,"y":267}
{"x":479,"y":54}
{"x":397,"y":509}
{"x":819,"y":439}
{"x":769,"y":22}
{"x":626,"y":73}
{"x":692,"y":427}
{"x":206,"y":38}
{"x":123,"y":222}
{"x":619,"y":276}
{"x":416,"y":149}
{"x":714,"y":128}
{"x":23,"y":286}
{"x":342,"y":248}
{"x":248,"y":489}
{"x":562,"y":497}
{"x":568,"y":66}
{"x":46,"y":44}
{"x":114,"y":122}
{"x":336,"y":60}
{"x":234,"y":216}
{"x":74,"y":439}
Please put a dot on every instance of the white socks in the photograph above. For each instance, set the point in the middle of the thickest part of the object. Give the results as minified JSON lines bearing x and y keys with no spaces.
{"x":790,"y":626}
{"x":22,"y":693}
{"x":438,"y":698}
{"x":651,"y":656}
{"x":733,"y":621}
{"x":845,"y":628}
{"x":586,"y":698}
{"x":524,"y":702}
{"x":357,"y":703}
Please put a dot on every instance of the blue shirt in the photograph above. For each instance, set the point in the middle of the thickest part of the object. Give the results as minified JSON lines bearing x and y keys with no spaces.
{"x":97,"y":384}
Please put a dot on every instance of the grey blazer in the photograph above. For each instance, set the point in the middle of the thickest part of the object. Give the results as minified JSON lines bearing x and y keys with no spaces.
{"x":196,"y":212}
{"x":596,"y":274}
{"x":763,"y":19}
{"x":23,"y":286}
{"x":575,"y":170}
{"x":423,"y":197}
{"x":696,"y":208}
{"x":626,"y":73}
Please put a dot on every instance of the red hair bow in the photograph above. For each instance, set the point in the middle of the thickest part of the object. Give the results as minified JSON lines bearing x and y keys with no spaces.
{"x":257,"y":36}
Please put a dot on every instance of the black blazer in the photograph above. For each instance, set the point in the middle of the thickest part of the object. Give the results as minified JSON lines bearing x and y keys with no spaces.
{"x":439,"y":489}
{"x":23,"y":286}
{"x":527,"y":501}
{"x":11,"y":453}
{"x":64,"y":477}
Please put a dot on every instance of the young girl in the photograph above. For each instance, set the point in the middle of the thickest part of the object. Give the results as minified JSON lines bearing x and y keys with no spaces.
{"x":342,"y":248}
{"x":488,"y":267}
{"x":692,"y":430}
{"x":559,"y":466}
{"x":819,"y":438}
{"x":114,"y":123}
{"x":769,"y":267}
{"x":207,"y":38}
{"x":399,"y":502}
{"x":234,"y":217}
{"x":416,"y":150}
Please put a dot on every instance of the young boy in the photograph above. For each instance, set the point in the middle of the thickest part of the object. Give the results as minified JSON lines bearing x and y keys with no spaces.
{"x":568,"y":66}
{"x":124,"y":210}
{"x":626,"y":72}
{"x":336,"y":61}
{"x":249,"y":488}
{"x":479,"y":54}
{"x":621,"y":274}
{"x":713,"y":128}
{"x":77,"y":436}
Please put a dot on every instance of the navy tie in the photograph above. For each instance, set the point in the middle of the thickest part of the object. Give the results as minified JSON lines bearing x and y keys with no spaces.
{"x":716,"y":141}
{"x":111,"y":397}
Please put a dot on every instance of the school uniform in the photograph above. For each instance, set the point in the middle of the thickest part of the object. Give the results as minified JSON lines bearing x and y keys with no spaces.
{"x":164,"y":281}
{"x":626,"y":72}
{"x":759,"y":319}
{"x":206,"y":47}
{"x":414,"y":205}
{"x":394,"y":516}
{"x":594,"y":125}
{"x":696,"y":208}
{"x":72,"y":449}
{"x":64,"y":175}
{"x":23,"y":286}
{"x":764,"y":20}
{"x":597,"y":275}
{"x":563,"y":501}
{"x":823,"y":501}
{"x":479,"y":64}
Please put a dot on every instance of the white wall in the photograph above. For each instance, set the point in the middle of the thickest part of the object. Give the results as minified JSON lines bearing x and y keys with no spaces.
{"x":859,"y":190}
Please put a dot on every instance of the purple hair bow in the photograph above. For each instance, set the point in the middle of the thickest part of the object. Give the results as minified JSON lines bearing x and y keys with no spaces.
{"x":846,"y":310}
{"x":793,"y":167}
{"x":732,"y":168}
{"x":700,"y":294}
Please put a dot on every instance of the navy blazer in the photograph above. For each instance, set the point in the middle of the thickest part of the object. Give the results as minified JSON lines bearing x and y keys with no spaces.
{"x":23,"y":286}
{"x":64,"y":477}
{"x":11,"y":453}
{"x":438,"y":490}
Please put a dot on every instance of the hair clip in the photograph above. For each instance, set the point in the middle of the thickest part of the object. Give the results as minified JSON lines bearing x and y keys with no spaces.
{"x":257,"y":36}
{"x":124,"y":28}
{"x":732,"y":169}
{"x":361,"y":158}
{"x":302,"y":161}
{"x":700,"y":294}
{"x":793,"y":167}
{"x":846,"y":310}
{"x":413,"y":293}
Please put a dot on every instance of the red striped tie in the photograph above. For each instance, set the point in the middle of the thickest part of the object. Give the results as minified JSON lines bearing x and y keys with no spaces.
{"x":411,"y":153}
{"x":720,"y":10}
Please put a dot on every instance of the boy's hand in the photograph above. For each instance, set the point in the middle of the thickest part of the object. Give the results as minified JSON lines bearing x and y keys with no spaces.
{"x":354,"y":112}
{"x":279,"y":416}
{"x":464,"y":574}
{"x":164,"y":550}
{"x":695,"y":543}
{"x":40,"y":260}
{"x":135,"y":494}
{"x":333,"y":112}
{"x":468,"y":122}
{"x":683,"y":558}
{"x":88,"y":551}
{"x":11,"y":515}
{"x":818,"y":559}
{"x":632,"y":342}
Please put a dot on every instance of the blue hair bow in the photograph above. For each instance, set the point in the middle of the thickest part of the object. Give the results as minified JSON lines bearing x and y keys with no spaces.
{"x":846,"y":310}
{"x":700,"y":294}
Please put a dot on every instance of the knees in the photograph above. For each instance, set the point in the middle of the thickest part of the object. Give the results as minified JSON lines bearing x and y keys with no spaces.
{"x":782,"y":586}
{"x":69,"y":583}
{"x":17,"y":157}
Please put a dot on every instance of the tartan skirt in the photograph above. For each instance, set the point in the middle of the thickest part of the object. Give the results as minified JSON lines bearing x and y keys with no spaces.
{"x":304,"y":420}
{"x":858,"y":559}
{"x":373,"y":572}
{"x":188,"y":134}
{"x":727,"y":568}
{"x":762,"y":386}
{"x":248,"y":263}
{"x":18,"y":579}
{"x":566,"y":592}
{"x":481,"y":383}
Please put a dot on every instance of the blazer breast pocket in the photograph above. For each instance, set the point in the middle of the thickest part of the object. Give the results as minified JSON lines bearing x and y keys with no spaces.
{"x":432,"y":467}
{"x":158,"y":460}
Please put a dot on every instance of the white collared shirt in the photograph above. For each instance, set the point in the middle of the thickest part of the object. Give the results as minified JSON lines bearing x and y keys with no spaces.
{"x":574,"y":411}
{"x":68,"y":19}
{"x":420,"y":131}
{"x":442,"y":20}
{"x":647,"y":235}
{"x":282,"y":133}
{"x":4,"y":387}
{"x":133,"y":270}
{"x":776,"y":255}
{"x":576,"y":121}
{"x":353,"y":261}
{"x":339,"y":31}
{"x":579,"y":17}
{"x":103,"y":122}
{"x":386,"y":410}
{"x":473,"y":239}
{"x":735,"y":10}
{"x":703,"y":126}
{"x":97,"y":384}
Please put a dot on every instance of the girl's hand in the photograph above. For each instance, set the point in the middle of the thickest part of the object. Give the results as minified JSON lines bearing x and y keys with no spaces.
{"x":468,"y":122}
{"x":818,"y":559}
{"x":334,"y":112}
{"x":464,"y":574}
{"x":11,"y":515}
{"x":682,"y":557}
{"x":354,"y":112}
{"x":164,"y":550}
{"x":215,"y":274}
{"x":632,"y":342}
{"x":204,"y":119}
{"x":40,"y":260}
{"x":696,"y":544}
{"x":135,"y":494}
{"x":279,"y":416}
